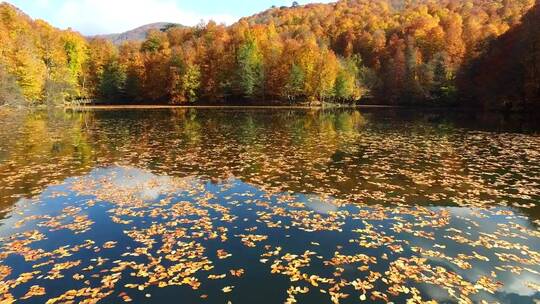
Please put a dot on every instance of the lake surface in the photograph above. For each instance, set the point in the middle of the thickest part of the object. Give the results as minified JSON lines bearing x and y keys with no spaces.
{"x":269,"y":206}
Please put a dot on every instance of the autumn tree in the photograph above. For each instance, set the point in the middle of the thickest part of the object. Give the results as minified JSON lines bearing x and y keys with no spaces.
{"x":131,"y":60}
{"x":412,"y":51}
{"x":349,"y":84}
{"x":507,"y":75}
{"x":100,"y":53}
{"x":216,"y":59}
{"x":326,"y":74}
{"x":10,"y":93}
{"x":76,"y":50}
{"x":156,"y":56}
{"x":396,"y":69}
{"x":185,"y":80}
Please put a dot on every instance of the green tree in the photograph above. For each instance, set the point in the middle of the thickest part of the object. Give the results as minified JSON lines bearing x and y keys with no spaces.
{"x":113,"y":80}
{"x":295,"y":84}
{"x":185,"y":81}
{"x":349,"y":86}
{"x":155,"y":42}
{"x":250,"y":69}
{"x":443,"y":80}
{"x":192,"y":82}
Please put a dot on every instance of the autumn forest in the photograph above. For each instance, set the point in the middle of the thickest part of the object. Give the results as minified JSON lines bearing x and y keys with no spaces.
{"x":477,"y":53}
{"x":359,"y":151}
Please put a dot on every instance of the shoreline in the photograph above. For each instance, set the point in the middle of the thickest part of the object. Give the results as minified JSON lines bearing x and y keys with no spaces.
{"x":120,"y":107}
{"x":4,"y":108}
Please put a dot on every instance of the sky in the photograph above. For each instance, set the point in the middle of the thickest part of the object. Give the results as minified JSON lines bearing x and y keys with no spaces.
{"x":92,"y":17}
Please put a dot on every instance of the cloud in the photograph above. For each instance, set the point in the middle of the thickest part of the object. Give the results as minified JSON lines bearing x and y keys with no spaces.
{"x":92,"y":17}
{"x":319,"y":204}
{"x":113,"y":16}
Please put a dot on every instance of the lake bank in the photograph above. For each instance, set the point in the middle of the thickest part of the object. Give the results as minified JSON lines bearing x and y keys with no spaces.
{"x":117,"y":107}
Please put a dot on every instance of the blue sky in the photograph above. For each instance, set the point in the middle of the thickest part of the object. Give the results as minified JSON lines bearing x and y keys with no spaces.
{"x":112,"y":16}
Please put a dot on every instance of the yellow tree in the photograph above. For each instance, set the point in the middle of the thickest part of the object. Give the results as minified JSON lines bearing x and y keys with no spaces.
{"x":29,"y":70}
{"x":76,"y":51}
{"x":327,"y":71}
{"x":308,"y":62}
{"x":100,"y":52}
{"x":454,"y":44}
{"x":22,"y":58}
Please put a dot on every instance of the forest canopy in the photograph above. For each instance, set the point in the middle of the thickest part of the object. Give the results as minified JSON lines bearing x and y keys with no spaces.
{"x":390,"y":51}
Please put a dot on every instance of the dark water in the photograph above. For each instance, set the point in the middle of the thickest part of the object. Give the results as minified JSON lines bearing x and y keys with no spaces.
{"x":269,"y":206}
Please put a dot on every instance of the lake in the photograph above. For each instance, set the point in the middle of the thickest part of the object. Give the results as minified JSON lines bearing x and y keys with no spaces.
{"x":229,"y":205}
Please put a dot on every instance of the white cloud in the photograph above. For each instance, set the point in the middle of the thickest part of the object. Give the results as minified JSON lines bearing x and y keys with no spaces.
{"x":92,"y":17}
{"x":114,"y":16}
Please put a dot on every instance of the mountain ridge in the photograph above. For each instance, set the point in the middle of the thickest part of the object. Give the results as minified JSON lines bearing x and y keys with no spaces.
{"x":138,"y":33}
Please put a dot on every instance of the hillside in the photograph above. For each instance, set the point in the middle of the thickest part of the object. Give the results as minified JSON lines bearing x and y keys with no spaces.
{"x":138,"y":34}
{"x":38,"y":63}
{"x":508,"y":73}
{"x":389,"y":51}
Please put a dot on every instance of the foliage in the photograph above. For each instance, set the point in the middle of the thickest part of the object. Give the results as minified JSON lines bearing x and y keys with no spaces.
{"x":46,"y":63}
{"x":295,"y":83}
{"x":185,"y":82}
{"x":113,"y":80}
{"x":507,"y":75}
{"x":250,"y":69}
{"x":349,"y":84}
{"x":395,"y":51}
{"x":10,"y":93}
